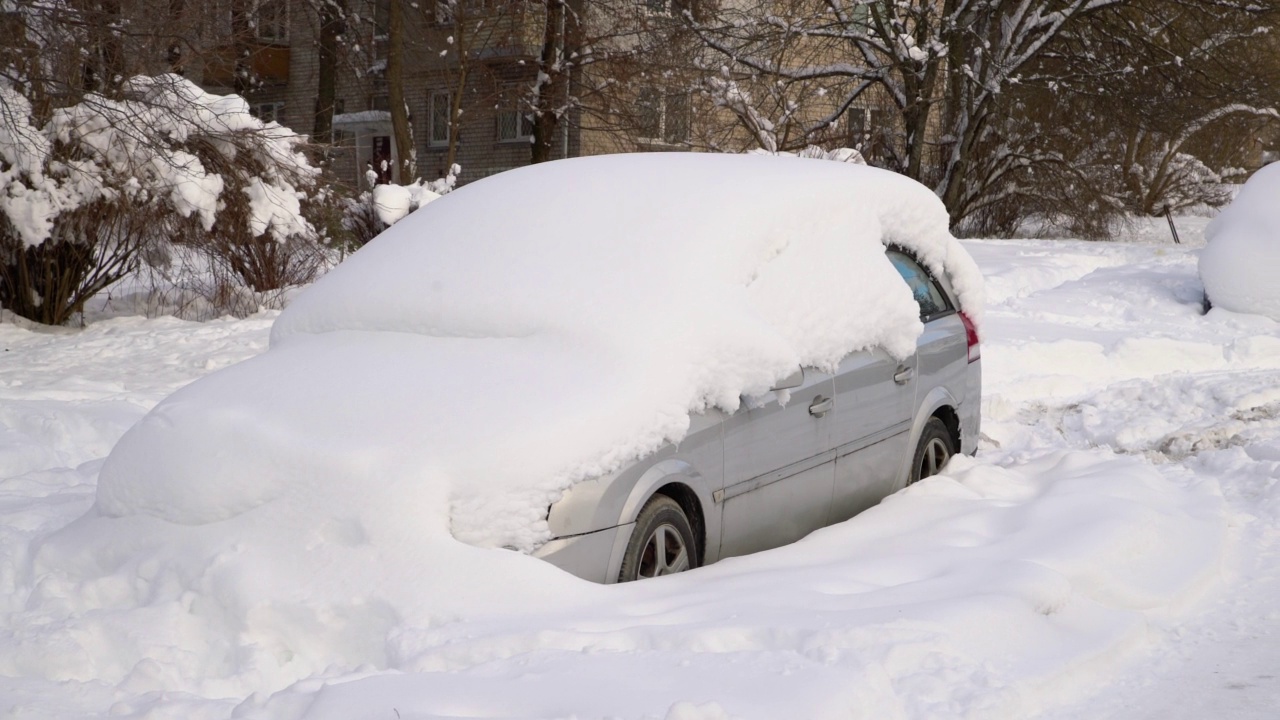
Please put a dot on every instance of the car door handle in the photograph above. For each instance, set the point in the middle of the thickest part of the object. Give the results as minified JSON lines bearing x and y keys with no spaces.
{"x":903,"y":375}
{"x":820,"y":406}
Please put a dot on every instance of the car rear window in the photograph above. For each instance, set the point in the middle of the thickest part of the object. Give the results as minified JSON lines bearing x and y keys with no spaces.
{"x":928,"y":295}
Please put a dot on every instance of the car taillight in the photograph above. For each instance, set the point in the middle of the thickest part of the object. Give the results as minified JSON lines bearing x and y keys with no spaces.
{"x":971,"y":337}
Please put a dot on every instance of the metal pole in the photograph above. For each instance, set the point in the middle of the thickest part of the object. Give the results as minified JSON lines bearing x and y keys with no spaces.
{"x":1168,"y":215}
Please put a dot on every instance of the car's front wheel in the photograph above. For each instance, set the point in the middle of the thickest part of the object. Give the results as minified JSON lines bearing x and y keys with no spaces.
{"x":662,"y":542}
{"x":933,"y":451}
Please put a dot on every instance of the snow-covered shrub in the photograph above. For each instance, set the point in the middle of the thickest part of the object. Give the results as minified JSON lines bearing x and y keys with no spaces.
{"x":844,"y":154}
{"x":366,"y":216}
{"x":1242,"y":252}
{"x":85,"y":194}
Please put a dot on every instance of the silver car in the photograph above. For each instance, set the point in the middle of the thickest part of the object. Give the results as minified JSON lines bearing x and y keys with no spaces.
{"x":817,"y":450}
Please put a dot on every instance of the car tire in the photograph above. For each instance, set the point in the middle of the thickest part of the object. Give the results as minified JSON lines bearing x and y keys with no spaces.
{"x":662,"y":542}
{"x":933,"y":451}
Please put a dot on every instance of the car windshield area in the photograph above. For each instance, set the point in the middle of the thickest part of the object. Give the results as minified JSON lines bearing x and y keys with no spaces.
{"x":933,"y":302}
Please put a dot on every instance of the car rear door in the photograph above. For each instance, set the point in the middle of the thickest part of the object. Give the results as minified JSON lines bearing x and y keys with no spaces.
{"x":778,"y":468}
{"x":875,"y":399}
{"x":877,"y":396}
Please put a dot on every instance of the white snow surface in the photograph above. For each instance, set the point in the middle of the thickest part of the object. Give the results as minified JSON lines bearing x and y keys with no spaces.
{"x":1112,"y":553}
{"x":1239,"y":266}
{"x":536,"y":329}
{"x":394,"y":202}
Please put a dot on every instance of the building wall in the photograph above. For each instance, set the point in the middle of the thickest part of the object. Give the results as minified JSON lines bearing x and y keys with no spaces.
{"x":500,"y":63}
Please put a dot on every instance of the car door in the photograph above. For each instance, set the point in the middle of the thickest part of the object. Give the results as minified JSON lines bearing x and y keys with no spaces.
{"x":877,"y":396}
{"x":875,"y":400}
{"x":778,"y":468}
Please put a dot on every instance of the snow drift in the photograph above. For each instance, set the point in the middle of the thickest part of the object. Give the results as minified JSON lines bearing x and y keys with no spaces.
{"x":1240,"y":262}
{"x":1014,"y":582}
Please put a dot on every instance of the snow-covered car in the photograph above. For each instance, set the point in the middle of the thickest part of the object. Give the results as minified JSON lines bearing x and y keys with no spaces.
{"x":625,"y":365}
{"x":1239,"y":262}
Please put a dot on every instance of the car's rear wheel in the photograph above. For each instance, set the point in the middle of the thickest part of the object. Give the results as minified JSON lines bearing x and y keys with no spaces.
{"x":933,"y":451}
{"x":662,"y":542}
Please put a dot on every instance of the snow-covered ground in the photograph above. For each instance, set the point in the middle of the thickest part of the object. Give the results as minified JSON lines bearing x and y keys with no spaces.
{"x":1113,"y":551}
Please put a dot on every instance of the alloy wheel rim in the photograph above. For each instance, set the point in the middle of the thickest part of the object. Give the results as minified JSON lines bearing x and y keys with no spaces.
{"x":936,"y":455}
{"x":664,"y":553}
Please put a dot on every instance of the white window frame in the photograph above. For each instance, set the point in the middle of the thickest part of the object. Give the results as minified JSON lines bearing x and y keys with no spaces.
{"x":664,"y":8}
{"x":268,"y":111}
{"x":444,"y":13}
{"x":521,"y":118}
{"x":861,"y":14}
{"x":434,"y":99}
{"x":661,"y":103}
{"x":256,"y":15}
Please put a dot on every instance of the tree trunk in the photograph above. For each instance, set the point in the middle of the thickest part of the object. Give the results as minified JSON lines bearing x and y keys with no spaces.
{"x":403,"y":134}
{"x":455,"y":112}
{"x":242,"y":44}
{"x":104,"y":69}
{"x":551,"y":82}
{"x":331,"y":28}
{"x":173,"y":54}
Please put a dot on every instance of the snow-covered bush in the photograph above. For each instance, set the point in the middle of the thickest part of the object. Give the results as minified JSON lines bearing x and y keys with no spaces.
{"x":83,"y":195}
{"x":814,"y":152}
{"x":366,"y":216}
{"x":1239,"y":262}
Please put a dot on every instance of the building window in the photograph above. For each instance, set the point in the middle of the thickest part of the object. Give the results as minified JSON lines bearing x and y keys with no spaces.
{"x":663,"y":118}
{"x":267,"y":112}
{"x":271,"y":20}
{"x":439,"y":108}
{"x":513,"y":124}
{"x":666,"y":7}
{"x":380,"y":41}
{"x":379,"y":101}
{"x":860,"y":15}
{"x":444,"y":12}
{"x":448,"y":11}
{"x":870,"y":132}
{"x":857,"y":128}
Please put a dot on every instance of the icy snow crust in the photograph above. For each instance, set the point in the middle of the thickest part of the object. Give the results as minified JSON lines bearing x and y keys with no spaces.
{"x":535,"y":329}
{"x":1131,"y":466}
{"x":1241,"y":262}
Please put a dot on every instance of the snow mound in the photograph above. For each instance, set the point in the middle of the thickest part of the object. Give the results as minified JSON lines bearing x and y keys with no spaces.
{"x":1240,"y":261}
{"x":535,"y":329}
{"x":988,"y":587}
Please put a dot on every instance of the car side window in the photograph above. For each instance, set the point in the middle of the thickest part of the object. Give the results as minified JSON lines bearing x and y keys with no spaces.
{"x":928,"y":295}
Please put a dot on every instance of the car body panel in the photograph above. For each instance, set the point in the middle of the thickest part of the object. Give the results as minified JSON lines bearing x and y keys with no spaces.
{"x":873,"y":417}
{"x":615,"y":499}
{"x":778,"y":468}
{"x":590,"y":555}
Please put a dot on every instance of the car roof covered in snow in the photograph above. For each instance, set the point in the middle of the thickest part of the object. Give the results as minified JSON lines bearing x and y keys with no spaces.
{"x":567,"y":242}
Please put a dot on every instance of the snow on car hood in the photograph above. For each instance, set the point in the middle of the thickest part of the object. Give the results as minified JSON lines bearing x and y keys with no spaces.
{"x":1238,"y":265}
{"x":537,"y":328}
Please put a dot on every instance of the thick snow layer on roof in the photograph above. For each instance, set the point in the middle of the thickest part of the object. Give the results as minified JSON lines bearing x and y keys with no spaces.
{"x":539,"y":328}
{"x":1239,"y":265}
